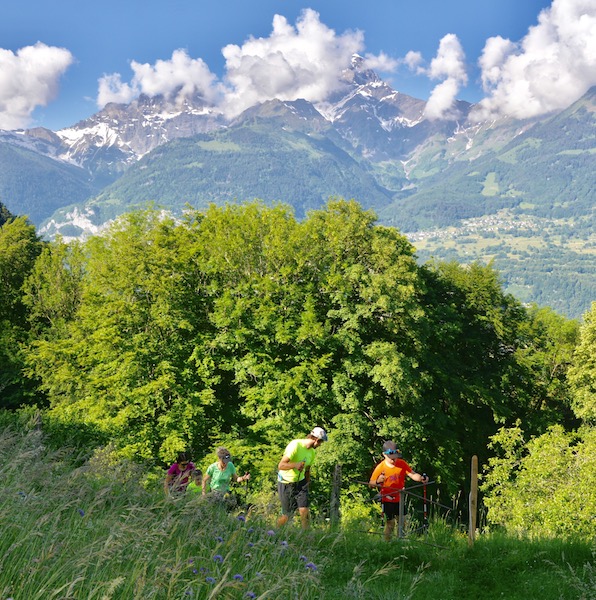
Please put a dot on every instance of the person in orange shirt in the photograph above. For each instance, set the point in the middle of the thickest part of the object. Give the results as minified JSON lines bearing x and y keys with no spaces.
{"x":390,"y":476}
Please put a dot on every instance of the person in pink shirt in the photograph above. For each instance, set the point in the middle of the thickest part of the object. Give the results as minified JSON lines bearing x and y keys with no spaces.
{"x":179,"y":474}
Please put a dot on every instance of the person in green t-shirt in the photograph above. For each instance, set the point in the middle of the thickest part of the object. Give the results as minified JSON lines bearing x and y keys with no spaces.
{"x":220,"y":474}
{"x":293,"y":476}
{"x":196,"y":485}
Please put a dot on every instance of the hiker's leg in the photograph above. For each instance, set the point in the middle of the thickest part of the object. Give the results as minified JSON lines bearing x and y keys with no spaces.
{"x":286,"y":498}
{"x":304,"y":517}
{"x":389,"y":527}
{"x":302,"y":503}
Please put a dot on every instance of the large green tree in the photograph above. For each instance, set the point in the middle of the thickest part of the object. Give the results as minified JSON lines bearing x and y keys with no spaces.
{"x":19,"y":248}
{"x":243,"y":324}
{"x":121,"y":362}
{"x":582,"y":374}
{"x":543,"y":485}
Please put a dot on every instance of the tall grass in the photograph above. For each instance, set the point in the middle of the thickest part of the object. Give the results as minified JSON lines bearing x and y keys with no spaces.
{"x":93,"y":531}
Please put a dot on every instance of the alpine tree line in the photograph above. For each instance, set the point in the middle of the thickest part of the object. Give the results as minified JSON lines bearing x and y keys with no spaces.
{"x":241,"y":325}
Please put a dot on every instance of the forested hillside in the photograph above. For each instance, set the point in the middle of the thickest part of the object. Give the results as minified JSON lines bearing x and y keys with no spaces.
{"x":262,"y":160}
{"x":42,"y":184}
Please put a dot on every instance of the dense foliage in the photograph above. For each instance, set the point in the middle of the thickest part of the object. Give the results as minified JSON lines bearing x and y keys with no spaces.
{"x":242,"y":325}
{"x":544,"y":486}
{"x":19,"y":248}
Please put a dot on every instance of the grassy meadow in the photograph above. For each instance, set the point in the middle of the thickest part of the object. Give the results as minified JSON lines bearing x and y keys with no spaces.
{"x":96,"y":529}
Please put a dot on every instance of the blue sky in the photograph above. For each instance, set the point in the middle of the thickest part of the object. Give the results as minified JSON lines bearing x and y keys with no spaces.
{"x":61,"y":60}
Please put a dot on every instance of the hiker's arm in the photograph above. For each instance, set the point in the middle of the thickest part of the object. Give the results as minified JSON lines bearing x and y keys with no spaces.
{"x":285,"y":464}
{"x":206,"y":479}
{"x":377,"y":477}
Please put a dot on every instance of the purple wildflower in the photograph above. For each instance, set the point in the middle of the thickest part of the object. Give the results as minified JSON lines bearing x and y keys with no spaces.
{"x":250,"y":529}
{"x":81,"y":512}
{"x":284,"y":543}
{"x":195,"y":571}
{"x":238,"y":577}
{"x":210,"y":579}
{"x":250,"y":595}
{"x":250,"y":544}
{"x":271,"y":532}
{"x":303,"y":558}
{"x":218,"y":558}
{"x":311,"y":566}
{"x":219,"y":538}
{"x":241,"y":518}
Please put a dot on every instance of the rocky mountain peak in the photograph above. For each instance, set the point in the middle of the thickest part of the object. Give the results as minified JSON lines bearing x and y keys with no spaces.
{"x":359,"y":74}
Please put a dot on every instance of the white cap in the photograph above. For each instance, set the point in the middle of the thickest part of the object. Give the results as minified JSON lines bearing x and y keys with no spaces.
{"x":319,"y":433}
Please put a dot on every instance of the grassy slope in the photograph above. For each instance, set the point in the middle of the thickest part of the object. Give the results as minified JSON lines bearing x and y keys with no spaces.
{"x":94,"y":532}
{"x":240,"y":164}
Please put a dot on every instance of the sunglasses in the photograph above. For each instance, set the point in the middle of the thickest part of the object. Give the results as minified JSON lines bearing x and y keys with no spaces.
{"x":391,"y":452}
{"x":183,"y":464}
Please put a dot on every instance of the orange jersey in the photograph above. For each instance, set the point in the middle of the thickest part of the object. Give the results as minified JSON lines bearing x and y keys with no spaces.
{"x":395,"y":479}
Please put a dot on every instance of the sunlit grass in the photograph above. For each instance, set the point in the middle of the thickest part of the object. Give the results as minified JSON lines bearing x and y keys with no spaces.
{"x":94,"y":531}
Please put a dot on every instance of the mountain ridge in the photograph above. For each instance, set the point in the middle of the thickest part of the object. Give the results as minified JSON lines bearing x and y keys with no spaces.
{"x":367,"y":141}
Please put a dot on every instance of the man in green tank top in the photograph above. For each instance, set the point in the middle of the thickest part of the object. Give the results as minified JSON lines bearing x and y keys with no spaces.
{"x":294,"y":475}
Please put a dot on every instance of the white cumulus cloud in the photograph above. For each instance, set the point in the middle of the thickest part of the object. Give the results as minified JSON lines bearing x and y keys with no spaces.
{"x":381,"y":62}
{"x":28,"y":79}
{"x":304,"y":61}
{"x":413,"y":60}
{"x":178,"y":77}
{"x":552,"y":66}
{"x":301,"y":61}
{"x":450,"y":65}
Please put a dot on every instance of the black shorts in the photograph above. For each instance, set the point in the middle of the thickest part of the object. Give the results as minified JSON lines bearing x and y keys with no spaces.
{"x":292,"y":496}
{"x":390,"y":510}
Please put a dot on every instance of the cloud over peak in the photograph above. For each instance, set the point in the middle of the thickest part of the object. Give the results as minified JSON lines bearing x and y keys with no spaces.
{"x":180,"y":75}
{"x":449,"y":64}
{"x":301,"y":61}
{"x":304,"y":61}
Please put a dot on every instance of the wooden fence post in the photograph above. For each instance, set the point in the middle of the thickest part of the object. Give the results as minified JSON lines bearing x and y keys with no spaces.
{"x":473,"y":501}
{"x":401,"y":518}
{"x":334,"y":501}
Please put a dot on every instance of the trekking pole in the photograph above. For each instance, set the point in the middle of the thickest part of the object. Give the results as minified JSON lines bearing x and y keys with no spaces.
{"x":425,"y":512}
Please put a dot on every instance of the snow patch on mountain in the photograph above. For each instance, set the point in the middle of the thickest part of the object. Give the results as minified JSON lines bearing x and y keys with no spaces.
{"x":75,"y":224}
{"x":45,"y":143}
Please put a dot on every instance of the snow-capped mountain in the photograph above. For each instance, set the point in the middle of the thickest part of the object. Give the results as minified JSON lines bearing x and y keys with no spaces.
{"x":384,"y":133}
{"x":367,"y":113}
{"x":120,"y":134}
{"x":368,"y":142}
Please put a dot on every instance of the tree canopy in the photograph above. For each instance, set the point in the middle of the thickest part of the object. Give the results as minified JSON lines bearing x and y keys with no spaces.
{"x":241,"y":323}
